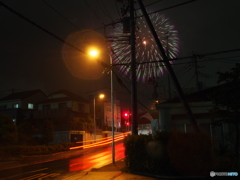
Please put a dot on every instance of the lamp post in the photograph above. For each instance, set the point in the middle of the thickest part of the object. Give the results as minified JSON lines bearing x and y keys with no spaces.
{"x":112,"y":112}
{"x":94,"y":113}
{"x":94,"y":53}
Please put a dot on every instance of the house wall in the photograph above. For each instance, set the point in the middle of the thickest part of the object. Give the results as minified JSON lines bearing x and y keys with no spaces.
{"x":107,"y":114}
{"x":73,"y":105}
{"x":172,"y":115}
{"x":23,"y":103}
{"x":33,"y":99}
{"x":10,"y":104}
{"x":65,"y":136}
{"x":103,"y":108}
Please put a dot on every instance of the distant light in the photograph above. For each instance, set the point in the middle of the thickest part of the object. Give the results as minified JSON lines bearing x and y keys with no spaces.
{"x":126,"y":114}
{"x":101,"y":96}
{"x":144,"y":42}
{"x":93,"y":53}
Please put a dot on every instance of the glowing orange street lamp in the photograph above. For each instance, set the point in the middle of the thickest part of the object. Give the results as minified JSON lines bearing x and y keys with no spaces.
{"x":95,"y":53}
{"x":101,"y":96}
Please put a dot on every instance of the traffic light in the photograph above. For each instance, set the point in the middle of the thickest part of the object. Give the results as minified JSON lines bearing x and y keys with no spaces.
{"x":126,"y":119}
{"x":126,"y":114}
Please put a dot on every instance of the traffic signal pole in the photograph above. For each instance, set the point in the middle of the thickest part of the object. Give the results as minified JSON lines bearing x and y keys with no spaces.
{"x":170,"y":70}
{"x":133,"y":68}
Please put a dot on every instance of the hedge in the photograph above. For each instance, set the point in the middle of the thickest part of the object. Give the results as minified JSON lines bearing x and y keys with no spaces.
{"x":18,"y":150}
{"x":166,"y":153}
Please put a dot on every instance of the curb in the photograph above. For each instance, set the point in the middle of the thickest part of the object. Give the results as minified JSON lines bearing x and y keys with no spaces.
{"x":168,"y":177}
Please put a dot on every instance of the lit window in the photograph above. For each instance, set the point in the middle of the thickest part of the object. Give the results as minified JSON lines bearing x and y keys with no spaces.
{"x":16,"y":106}
{"x":30,"y":106}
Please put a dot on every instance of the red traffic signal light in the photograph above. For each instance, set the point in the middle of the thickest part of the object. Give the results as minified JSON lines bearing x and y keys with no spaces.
{"x":125,"y":114}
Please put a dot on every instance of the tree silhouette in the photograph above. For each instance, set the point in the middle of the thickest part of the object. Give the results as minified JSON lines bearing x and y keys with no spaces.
{"x":227,"y":100}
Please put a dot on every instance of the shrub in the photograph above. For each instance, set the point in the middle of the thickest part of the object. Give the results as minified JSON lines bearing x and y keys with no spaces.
{"x":18,"y":150}
{"x":169,"y":153}
{"x":135,"y":152}
{"x":190,"y":153}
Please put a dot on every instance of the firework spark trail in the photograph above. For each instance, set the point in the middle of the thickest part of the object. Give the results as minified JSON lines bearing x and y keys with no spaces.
{"x":146,"y":48}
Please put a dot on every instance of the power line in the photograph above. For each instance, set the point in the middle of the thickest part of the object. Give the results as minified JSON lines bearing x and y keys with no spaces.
{"x":106,"y":11}
{"x":174,"y":6}
{"x":117,"y":9}
{"x":60,"y":14}
{"x":119,"y":80}
{"x":39,"y":27}
{"x":94,"y":12}
{"x":183,"y":58}
{"x":189,"y":80}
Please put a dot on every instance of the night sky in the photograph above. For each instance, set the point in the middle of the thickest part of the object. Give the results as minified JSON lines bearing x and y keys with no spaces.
{"x":32,"y":59}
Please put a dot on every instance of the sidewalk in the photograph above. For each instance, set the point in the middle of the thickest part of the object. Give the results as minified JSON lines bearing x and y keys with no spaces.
{"x":112,"y":171}
{"x":26,"y":160}
{"x":107,"y":172}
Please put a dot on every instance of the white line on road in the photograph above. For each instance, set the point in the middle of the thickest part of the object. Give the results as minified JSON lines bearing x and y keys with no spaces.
{"x":34,"y":176}
{"x":25,"y":173}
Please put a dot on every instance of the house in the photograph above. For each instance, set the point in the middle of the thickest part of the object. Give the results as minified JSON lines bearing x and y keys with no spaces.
{"x":103,"y":109}
{"x":21,"y":105}
{"x":69,"y":113}
{"x":172,"y":115}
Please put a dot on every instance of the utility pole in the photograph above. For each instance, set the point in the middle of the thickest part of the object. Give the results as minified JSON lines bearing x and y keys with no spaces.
{"x":133,"y":68}
{"x":169,"y":81}
{"x":170,"y":70}
{"x":196,"y":72}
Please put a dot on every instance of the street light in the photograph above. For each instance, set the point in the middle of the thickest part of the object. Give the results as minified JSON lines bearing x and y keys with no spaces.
{"x":101,"y":96}
{"x":95,"y":53}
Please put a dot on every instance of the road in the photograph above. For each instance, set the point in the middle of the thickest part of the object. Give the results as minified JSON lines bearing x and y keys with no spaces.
{"x":66,"y":168}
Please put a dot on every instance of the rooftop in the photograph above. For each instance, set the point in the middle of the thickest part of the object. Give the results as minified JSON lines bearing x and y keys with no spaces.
{"x":20,"y":95}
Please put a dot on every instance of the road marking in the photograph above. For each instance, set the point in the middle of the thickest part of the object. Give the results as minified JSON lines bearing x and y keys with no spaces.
{"x":34,"y":176}
{"x":49,"y":175}
{"x":25,"y":173}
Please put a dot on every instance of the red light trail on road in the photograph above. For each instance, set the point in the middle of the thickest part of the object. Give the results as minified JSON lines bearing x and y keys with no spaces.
{"x":101,"y":142}
{"x":96,"y":160}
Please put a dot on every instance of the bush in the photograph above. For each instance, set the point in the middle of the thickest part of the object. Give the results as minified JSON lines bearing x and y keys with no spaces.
{"x":17,"y":150}
{"x":145,"y":154}
{"x":169,"y":153}
{"x":190,"y":153}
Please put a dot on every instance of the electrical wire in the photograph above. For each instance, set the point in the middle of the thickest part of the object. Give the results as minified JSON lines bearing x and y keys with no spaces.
{"x":94,"y":12}
{"x":174,"y":6}
{"x":149,"y":4}
{"x":104,"y":10}
{"x":60,"y":14}
{"x":118,"y":10}
{"x":39,"y":27}
{"x":184,"y":58}
{"x":131,"y":93}
{"x":189,"y":80}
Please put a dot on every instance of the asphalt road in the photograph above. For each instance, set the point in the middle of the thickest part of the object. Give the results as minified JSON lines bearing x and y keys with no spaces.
{"x":68,"y":168}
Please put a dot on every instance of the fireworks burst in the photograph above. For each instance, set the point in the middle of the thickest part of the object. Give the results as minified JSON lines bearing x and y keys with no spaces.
{"x":146,"y":48}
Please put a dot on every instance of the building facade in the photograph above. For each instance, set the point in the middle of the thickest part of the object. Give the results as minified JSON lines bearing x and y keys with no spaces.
{"x":69,"y":113}
{"x":103,"y":109}
{"x":173,"y":117}
{"x":21,"y":105}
